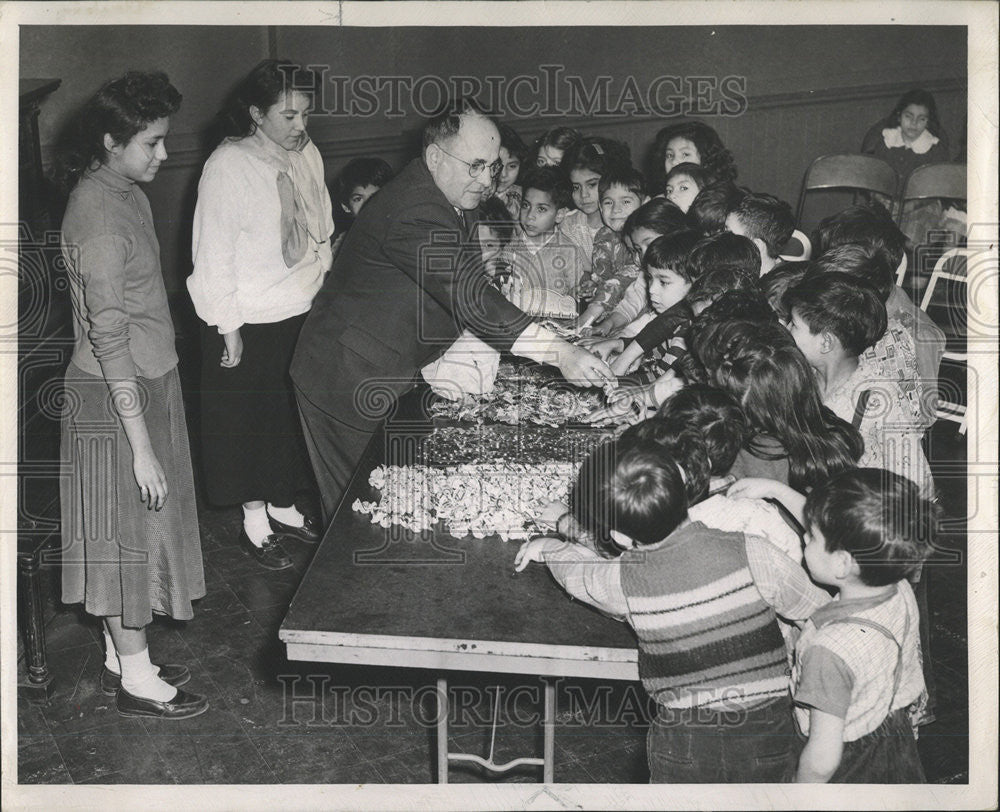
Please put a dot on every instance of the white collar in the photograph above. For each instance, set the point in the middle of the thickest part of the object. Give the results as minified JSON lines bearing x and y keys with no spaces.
{"x":893,"y":137}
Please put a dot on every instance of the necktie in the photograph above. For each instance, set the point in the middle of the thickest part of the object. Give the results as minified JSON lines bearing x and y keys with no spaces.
{"x":294,"y":234}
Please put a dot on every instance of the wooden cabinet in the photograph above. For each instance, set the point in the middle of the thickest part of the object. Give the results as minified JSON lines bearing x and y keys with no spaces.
{"x":43,"y":345}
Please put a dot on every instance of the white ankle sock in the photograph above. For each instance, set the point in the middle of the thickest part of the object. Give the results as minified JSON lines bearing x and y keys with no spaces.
{"x":110,"y":653}
{"x":255,"y":524}
{"x":287,"y":515}
{"x":139,"y":678}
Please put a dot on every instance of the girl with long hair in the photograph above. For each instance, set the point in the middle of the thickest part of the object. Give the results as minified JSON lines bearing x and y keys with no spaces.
{"x":793,"y":437}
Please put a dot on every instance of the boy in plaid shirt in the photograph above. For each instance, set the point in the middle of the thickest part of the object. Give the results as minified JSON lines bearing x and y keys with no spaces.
{"x":857,"y":664}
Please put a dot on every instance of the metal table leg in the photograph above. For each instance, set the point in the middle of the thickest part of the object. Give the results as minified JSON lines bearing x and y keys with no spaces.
{"x":442,"y":730}
{"x":547,"y":762}
{"x":549,"y":751}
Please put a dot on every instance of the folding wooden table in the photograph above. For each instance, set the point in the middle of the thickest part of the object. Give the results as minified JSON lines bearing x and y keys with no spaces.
{"x":387,"y":597}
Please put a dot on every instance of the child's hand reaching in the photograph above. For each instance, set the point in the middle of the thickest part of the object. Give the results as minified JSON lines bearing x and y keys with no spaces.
{"x":625,"y":363}
{"x":620,"y":411}
{"x":627,"y":404}
{"x":551,"y":514}
{"x":606,"y":348}
{"x":535,"y":550}
{"x":630,"y":358}
{"x":666,"y":385}
{"x":757,"y":488}
{"x":593,"y":313}
{"x":607,"y":324}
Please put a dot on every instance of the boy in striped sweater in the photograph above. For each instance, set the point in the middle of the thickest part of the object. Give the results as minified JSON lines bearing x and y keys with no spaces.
{"x":703,"y":604}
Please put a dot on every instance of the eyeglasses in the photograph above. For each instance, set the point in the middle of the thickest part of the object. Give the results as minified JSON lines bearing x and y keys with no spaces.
{"x":477,"y":166}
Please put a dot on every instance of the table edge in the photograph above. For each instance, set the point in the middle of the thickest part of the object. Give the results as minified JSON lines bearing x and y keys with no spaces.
{"x":403,"y":643}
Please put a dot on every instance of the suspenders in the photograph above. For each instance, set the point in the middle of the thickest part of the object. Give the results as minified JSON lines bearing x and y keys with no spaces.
{"x":871,"y":624}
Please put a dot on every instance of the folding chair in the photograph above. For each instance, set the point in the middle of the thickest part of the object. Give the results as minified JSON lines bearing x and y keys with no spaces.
{"x":934,"y":181}
{"x":848,"y":171}
{"x":797,"y":248}
{"x":948,"y":409}
{"x":901,"y":270}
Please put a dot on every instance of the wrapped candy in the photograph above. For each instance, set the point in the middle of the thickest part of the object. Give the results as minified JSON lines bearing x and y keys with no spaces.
{"x":481,"y":500}
{"x":523,"y":401}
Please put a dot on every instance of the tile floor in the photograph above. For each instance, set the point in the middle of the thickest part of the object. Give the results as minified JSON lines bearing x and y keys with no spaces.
{"x":275,"y":721}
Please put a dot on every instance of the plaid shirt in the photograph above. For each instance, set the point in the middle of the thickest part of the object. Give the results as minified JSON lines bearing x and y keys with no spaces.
{"x":892,"y":423}
{"x":848,"y":670}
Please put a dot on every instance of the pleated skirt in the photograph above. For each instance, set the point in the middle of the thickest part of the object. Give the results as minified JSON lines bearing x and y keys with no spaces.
{"x":120,"y":558}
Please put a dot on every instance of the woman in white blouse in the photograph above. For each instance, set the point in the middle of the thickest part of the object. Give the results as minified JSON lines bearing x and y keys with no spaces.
{"x":261,"y":247}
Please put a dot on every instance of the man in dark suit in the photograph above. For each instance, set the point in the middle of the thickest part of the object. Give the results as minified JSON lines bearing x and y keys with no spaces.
{"x":405,"y":282}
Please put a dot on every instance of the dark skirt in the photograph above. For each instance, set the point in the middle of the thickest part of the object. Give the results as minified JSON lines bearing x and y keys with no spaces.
{"x":118,"y":557}
{"x":252,"y":445}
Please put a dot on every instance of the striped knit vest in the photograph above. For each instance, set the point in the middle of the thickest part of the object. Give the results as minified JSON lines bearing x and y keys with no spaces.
{"x":706,"y":636}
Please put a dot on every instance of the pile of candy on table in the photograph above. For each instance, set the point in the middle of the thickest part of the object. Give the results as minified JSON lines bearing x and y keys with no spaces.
{"x":492,"y":462}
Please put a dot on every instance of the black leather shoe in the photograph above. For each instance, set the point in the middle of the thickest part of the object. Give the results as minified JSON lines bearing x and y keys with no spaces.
{"x":175,"y":675}
{"x":270,"y":554}
{"x":182,"y":706}
{"x":309,"y":532}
